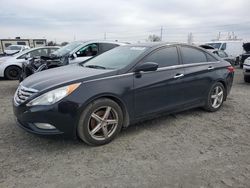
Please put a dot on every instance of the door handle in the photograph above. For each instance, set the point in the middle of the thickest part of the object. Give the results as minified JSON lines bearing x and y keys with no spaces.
{"x":178,"y":75}
{"x":210,"y":68}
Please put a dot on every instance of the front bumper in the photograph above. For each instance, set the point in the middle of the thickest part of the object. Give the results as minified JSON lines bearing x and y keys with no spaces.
{"x":62,"y":116}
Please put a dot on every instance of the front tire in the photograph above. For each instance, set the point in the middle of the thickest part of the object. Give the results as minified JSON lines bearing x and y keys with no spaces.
{"x":215,"y":97}
{"x":12,"y":72}
{"x":100,"y":122}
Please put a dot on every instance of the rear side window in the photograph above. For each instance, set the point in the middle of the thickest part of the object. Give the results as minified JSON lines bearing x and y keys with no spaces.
{"x":106,"y":47}
{"x":211,"y":58}
{"x":192,"y":55}
{"x":164,"y":57}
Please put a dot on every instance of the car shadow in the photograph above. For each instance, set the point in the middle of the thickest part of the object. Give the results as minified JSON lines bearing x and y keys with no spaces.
{"x":58,"y":142}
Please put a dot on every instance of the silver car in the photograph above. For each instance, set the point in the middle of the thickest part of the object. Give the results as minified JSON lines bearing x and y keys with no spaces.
{"x":11,"y":66}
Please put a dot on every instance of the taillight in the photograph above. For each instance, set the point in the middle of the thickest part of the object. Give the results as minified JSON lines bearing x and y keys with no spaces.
{"x":230,"y":69}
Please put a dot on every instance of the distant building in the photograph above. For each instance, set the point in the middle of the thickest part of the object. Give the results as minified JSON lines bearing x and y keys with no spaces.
{"x":4,"y":43}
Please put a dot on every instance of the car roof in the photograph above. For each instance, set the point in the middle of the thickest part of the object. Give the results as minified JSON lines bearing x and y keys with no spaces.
{"x":157,"y":44}
{"x":102,"y":41}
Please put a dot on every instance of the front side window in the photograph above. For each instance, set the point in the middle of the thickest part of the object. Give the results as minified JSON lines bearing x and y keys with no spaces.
{"x":164,"y":57}
{"x":192,"y":55}
{"x":89,"y":50}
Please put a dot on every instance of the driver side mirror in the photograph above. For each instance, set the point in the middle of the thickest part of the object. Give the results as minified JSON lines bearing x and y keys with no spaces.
{"x":146,"y":67}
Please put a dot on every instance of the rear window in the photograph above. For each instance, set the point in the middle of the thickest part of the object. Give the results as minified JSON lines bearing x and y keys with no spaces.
{"x":192,"y":55}
{"x":164,"y":57}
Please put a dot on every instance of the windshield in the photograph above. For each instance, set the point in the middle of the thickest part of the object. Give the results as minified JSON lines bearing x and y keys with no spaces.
{"x":67,"y":49}
{"x":215,"y":45}
{"x":116,"y":58}
{"x":13,"y":48}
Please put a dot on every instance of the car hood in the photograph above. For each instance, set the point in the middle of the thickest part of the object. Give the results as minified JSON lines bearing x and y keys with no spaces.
{"x":246,"y":46}
{"x":63,"y":75}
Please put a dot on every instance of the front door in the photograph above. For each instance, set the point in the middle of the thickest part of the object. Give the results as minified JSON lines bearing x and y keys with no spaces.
{"x":162,"y":89}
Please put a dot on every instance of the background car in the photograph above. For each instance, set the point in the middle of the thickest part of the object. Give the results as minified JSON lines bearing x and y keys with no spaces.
{"x":245,"y":55}
{"x":11,"y":66}
{"x":95,"y":99}
{"x":246,"y":70}
{"x":222,"y":54}
{"x":232,"y":48}
{"x":74,"y":52}
{"x":14,"y":49}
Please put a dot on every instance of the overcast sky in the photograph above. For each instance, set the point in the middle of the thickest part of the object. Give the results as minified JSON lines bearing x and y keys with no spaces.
{"x":125,"y":20}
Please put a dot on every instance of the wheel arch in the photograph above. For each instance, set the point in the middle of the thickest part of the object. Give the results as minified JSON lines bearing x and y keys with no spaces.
{"x":13,"y":65}
{"x":116,"y":99}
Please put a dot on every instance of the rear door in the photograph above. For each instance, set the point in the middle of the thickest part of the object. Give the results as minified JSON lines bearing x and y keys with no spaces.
{"x":161,"y":89}
{"x":199,"y":68}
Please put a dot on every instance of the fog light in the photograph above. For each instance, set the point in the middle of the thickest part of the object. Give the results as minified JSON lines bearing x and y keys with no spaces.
{"x":44,"y":126}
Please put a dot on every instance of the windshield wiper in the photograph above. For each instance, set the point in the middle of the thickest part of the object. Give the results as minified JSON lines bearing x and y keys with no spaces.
{"x":95,"y":66}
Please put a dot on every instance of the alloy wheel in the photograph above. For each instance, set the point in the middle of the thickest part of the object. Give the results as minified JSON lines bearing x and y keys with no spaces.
{"x":217,"y":97}
{"x":102,"y":123}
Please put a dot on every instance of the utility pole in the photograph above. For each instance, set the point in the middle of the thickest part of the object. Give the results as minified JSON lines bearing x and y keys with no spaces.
{"x":161,"y":32}
{"x":105,"y":36}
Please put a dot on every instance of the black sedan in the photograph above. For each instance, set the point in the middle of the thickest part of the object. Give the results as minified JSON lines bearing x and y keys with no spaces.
{"x":94,"y":100}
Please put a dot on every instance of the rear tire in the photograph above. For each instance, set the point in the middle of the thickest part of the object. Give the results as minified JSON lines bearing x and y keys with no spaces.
{"x":12,"y":72}
{"x":100,"y":122}
{"x":215,"y":97}
{"x":247,"y":79}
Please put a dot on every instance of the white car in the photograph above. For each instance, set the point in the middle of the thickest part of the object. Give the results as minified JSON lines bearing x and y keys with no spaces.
{"x":11,"y":66}
{"x":246,"y":70}
{"x":13,"y":49}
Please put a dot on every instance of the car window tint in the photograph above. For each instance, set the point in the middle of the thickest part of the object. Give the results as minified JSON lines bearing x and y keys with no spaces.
{"x":164,"y":57}
{"x":211,"y":58}
{"x":106,"y":46}
{"x":192,"y":55}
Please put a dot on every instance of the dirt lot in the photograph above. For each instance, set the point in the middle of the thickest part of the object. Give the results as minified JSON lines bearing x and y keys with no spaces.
{"x":188,"y":149}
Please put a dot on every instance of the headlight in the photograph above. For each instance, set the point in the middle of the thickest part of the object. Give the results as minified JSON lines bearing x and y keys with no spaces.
{"x":53,"y":96}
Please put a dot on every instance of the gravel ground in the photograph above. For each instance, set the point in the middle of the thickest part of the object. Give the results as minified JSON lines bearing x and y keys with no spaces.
{"x":188,"y":149}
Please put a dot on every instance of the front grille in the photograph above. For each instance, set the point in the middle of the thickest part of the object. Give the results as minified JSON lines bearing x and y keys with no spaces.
{"x":23,"y":93}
